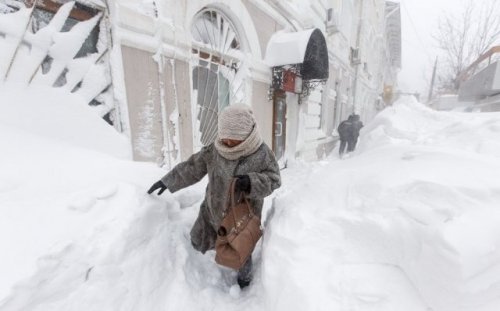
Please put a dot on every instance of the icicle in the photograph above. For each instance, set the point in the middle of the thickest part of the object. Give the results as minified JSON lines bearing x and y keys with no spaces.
{"x":95,"y":82}
{"x":28,"y":61}
{"x":61,"y":16}
{"x":158,"y":58}
{"x":167,"y":148}
{"x":66,"y":46}
{"x":174,"y":116}
{"x":145,"y":141}
{"x":13,"y":31}
{"x":78,"y":69}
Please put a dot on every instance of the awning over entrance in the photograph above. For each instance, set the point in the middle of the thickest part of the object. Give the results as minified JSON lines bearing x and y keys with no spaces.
{"x":306,"y":47}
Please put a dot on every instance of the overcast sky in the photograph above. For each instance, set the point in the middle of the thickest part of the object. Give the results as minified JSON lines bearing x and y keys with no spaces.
{"x":419,"y":21}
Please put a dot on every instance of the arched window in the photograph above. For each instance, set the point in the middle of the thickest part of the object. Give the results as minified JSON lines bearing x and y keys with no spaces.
{"x":218,"y":75}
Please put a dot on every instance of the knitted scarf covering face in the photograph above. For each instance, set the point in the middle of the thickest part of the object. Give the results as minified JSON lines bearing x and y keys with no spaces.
{"x":246,"y":148}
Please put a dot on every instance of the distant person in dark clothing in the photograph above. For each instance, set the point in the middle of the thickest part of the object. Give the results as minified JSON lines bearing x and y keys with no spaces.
{"x":357,"y":125}
{"x":349,"y":133}
{"x":344,"y":130}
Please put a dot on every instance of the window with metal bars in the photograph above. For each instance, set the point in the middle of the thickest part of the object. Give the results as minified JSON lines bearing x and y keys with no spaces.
{"x":216,"y":76}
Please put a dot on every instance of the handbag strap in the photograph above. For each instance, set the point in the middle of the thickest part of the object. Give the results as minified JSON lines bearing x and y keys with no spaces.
{"x":231,"y":199}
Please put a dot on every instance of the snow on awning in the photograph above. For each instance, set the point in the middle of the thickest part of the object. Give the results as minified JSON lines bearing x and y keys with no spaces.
{"x":306,"y":47}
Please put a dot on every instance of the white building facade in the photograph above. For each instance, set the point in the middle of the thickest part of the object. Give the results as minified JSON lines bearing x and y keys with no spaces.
{"x":168,"y":67}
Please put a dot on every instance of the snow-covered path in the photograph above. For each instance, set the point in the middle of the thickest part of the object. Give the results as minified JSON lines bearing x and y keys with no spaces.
{"x":408,"y":222}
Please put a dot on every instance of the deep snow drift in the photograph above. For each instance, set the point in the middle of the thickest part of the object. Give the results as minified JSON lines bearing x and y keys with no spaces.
{"x":418,"y":201}
{"x":408,"y":222}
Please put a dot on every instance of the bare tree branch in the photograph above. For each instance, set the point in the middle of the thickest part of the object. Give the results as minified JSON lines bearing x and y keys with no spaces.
{"x":465,"y":37}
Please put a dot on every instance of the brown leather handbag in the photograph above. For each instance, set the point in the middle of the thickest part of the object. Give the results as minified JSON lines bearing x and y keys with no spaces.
{"x":238,"y":232}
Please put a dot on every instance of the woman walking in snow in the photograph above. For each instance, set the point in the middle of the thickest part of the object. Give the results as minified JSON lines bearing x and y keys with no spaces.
{"x":238,"y":152}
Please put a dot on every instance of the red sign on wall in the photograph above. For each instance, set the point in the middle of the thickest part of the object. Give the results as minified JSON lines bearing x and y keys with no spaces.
{"x":289,"y":81}
{"x":292,"y":82}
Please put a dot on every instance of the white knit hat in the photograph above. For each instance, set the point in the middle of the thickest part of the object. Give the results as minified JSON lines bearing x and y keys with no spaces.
{"x":236,"y":122}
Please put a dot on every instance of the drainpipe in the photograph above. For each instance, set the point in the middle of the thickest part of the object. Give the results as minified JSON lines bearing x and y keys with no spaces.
{"x":358,"y":39}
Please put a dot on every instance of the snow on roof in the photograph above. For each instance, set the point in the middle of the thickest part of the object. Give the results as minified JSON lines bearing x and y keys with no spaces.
{"x":286,"y":48}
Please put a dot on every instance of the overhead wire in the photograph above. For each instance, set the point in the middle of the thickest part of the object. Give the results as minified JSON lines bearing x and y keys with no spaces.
{"x":423,"y":45}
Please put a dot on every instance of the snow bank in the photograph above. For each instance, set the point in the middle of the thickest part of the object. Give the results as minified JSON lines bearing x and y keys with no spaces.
{"x":419,"y":201}
{"x":409,"y":122}
{"x":65,"y":195}
{"x":408,"y":222}
{"x":77,"y":229}
{"x":60,"y":166}
{"x":55,"y":114}
{"x":50,"y":141}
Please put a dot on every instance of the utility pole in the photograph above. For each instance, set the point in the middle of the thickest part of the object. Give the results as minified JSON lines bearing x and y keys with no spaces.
{"x":432,"y":80}
{"x":358,"y":39}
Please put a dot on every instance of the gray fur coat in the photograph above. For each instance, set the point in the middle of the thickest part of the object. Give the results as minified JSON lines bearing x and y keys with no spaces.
{"x":260,"y":166}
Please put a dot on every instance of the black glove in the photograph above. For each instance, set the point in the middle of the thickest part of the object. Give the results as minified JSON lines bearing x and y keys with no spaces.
{"x":157,"y":185}
{"x":242,"y":183}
